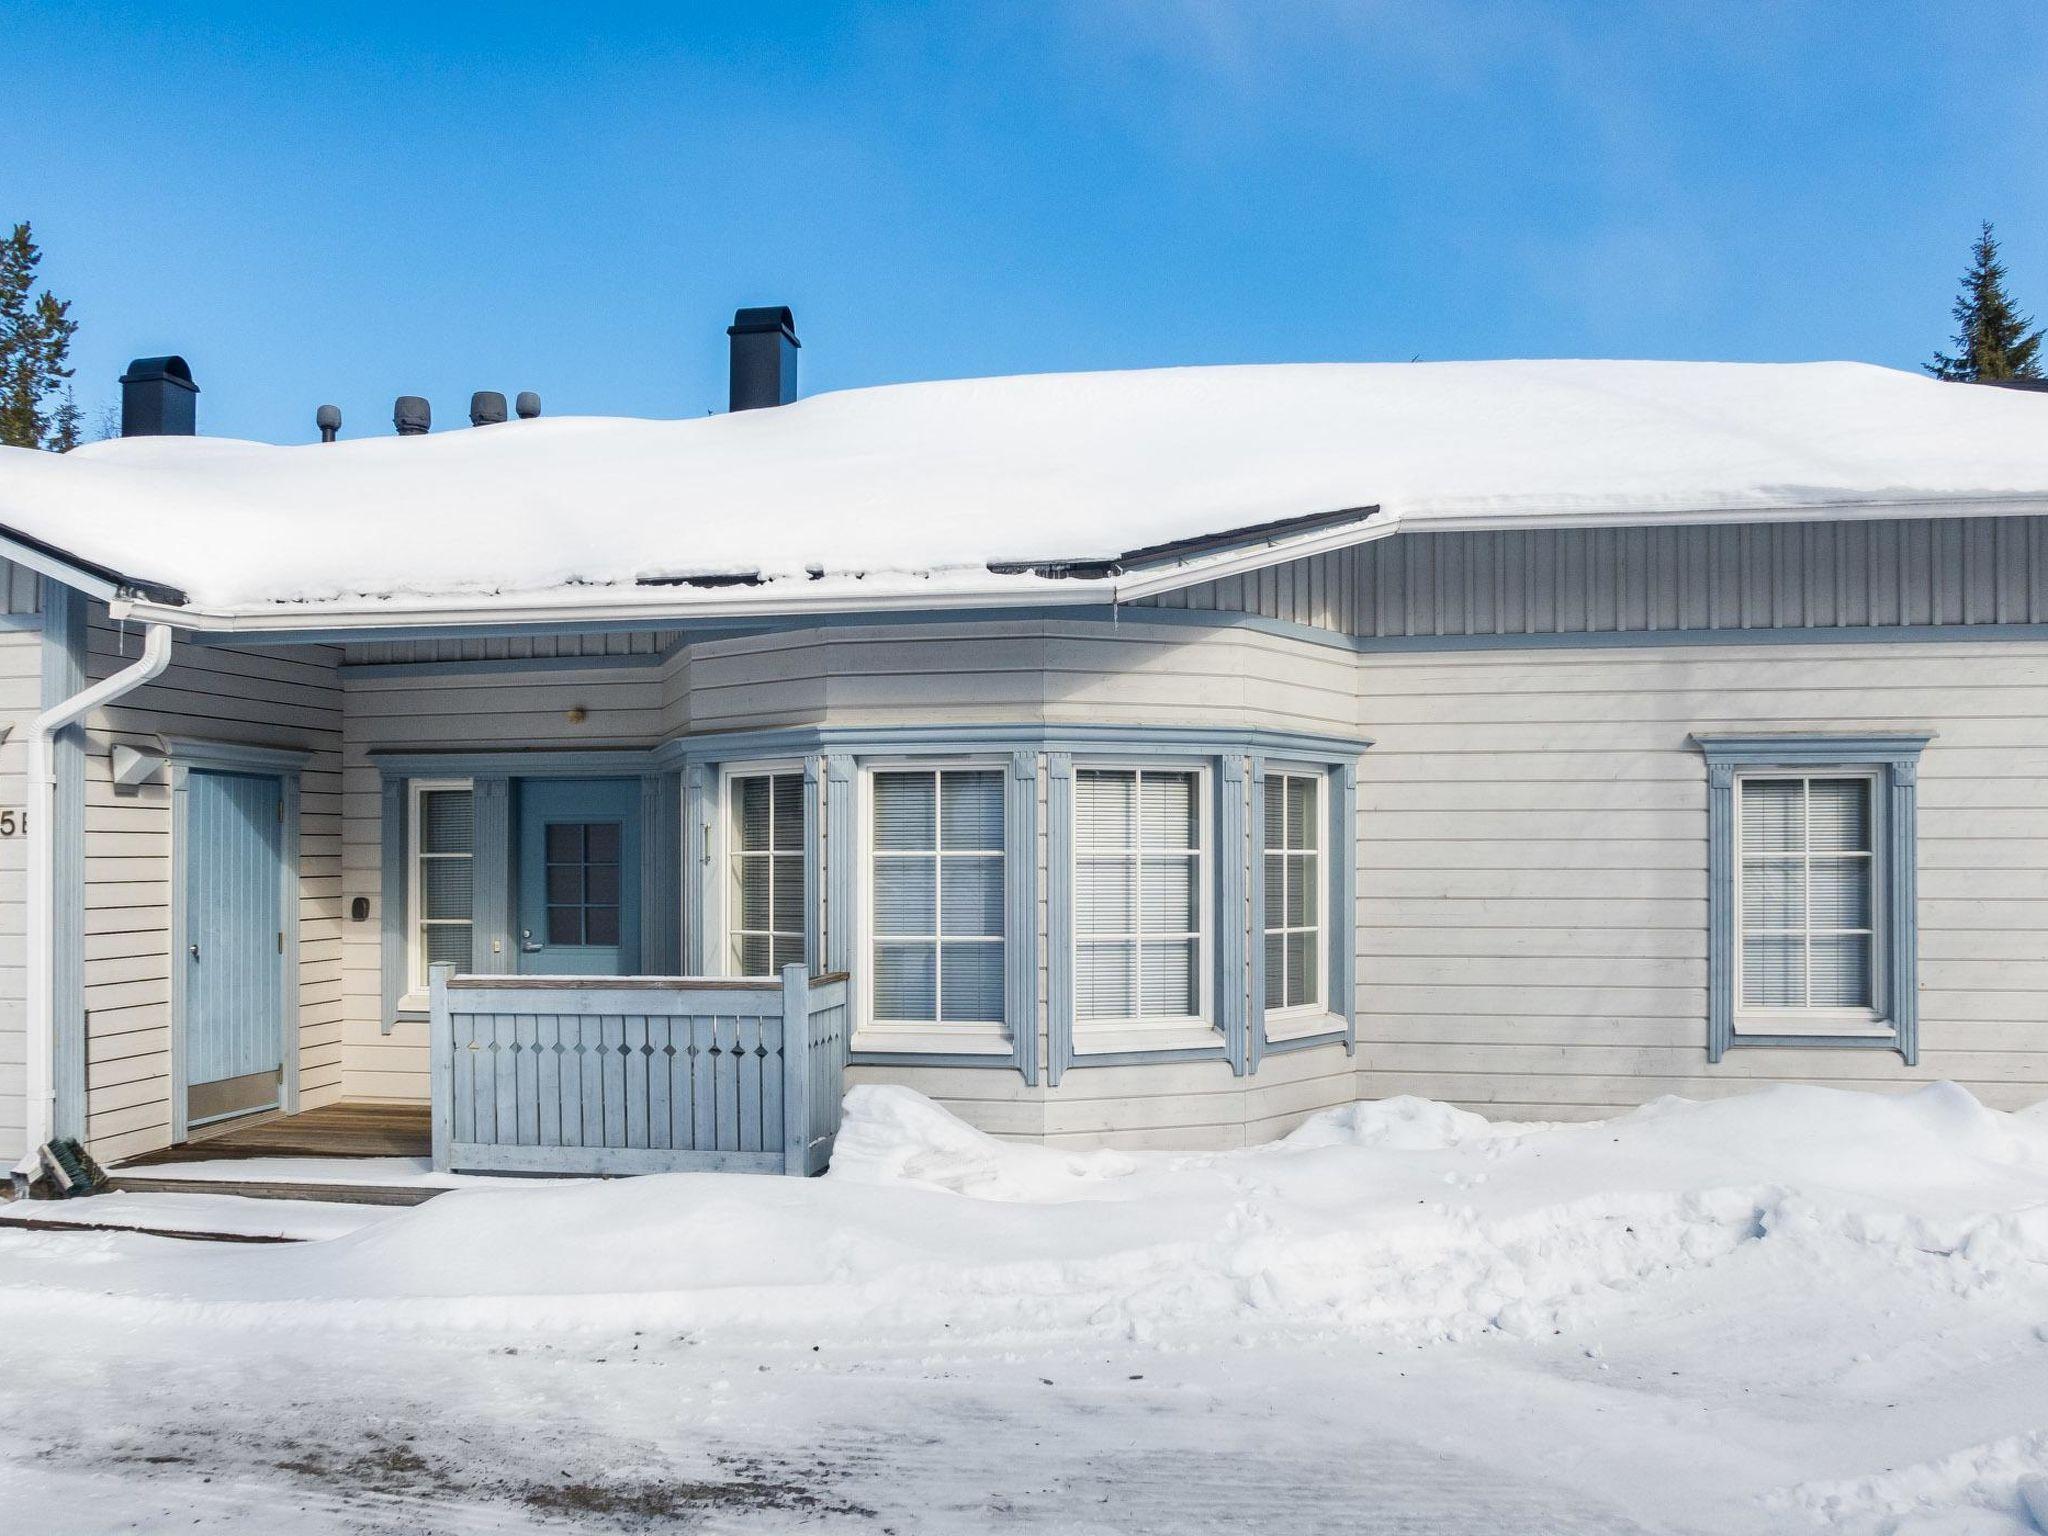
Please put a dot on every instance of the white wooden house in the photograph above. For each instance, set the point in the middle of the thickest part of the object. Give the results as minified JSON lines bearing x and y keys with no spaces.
{"x":1134,"y":759}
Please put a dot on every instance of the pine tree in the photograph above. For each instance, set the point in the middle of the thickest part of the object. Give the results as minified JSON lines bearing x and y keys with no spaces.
{"x":65,"y":424}
{"x":1993,"y":339}
{"x":35,"y":351}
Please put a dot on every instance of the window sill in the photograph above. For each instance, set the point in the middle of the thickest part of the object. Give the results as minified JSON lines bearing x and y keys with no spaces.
{"x":1814,"y":1026}
{"x":1115,"y":1039}
{"x":956,"y":1040}
{"x":1301,"y":1024}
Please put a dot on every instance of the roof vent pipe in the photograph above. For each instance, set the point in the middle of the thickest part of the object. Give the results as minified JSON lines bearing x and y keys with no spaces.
{"x":159,"y":399}
{"x":412,"y":415}
{"x":764,"y":349}
{"x":328,"y":420}
{"x":527,"y":405}
{"x":486,"y":408}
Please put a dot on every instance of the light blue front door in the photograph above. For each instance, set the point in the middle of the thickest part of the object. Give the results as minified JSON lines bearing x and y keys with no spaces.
{"x":234,"y":950}
{"x":579,"y":877}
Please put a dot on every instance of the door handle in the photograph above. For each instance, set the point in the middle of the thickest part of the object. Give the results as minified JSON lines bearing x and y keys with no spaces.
{"x":195,"y":951}
{"x":528,"y":944}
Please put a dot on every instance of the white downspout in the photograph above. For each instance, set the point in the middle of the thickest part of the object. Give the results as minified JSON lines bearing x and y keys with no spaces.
{"x":40,"y":1107}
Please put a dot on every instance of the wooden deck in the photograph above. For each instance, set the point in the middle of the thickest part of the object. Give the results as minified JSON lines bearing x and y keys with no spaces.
{"x":333,"y":1130}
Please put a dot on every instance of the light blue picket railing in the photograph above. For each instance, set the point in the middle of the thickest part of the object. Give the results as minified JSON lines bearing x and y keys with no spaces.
{"x":636,"y":1074}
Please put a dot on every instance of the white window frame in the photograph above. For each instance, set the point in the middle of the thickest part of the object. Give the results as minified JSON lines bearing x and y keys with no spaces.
{"x":1098,"y":1037}
{"x":1870,"y":1021}
{"x":1312,"y":1017}
{"x":415,"y":918}
{"x":979,"y":1038}
{"x":724,"y":848}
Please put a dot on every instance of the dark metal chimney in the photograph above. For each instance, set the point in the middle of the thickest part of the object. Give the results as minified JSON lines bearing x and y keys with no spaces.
{"x":328,"y":420}
{"x":412,"y":416}
{"x":486,"y":408}
{"x":528,"y":405}
{"x":159,"y":399}
{"x":763,"y":357}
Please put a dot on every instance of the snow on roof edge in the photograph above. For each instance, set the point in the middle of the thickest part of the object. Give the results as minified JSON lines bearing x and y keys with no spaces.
{"x":967,"y":586}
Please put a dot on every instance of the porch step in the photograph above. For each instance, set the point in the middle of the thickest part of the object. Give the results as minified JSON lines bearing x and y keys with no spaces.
{"x":340,"y":1194}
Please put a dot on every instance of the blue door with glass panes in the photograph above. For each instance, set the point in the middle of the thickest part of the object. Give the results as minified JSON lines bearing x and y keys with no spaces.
{"x":579,"y":877}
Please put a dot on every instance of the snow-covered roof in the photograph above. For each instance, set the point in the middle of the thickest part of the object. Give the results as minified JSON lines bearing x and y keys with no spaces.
{"x":909,"y":494}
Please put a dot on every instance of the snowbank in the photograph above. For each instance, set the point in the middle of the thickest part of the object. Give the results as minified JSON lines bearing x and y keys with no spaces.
{"x":945,"y":477}
{"x":1400,"y":1218}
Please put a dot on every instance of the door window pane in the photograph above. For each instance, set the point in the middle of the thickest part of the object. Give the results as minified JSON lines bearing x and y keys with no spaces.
{"x":583,"y":882}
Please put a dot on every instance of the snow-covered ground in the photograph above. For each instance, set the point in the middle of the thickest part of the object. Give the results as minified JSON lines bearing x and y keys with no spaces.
{"x":1799,"y":1309}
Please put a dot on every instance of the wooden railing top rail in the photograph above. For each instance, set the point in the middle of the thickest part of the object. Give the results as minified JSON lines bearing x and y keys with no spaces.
{"x":468,"y":982}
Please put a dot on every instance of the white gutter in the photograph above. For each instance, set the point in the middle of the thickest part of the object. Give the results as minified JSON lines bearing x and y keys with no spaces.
{"x":41,"y":1101}
{"x":646,"y":609}
{"x":1167,"y":578}
{"x":791,"y":599}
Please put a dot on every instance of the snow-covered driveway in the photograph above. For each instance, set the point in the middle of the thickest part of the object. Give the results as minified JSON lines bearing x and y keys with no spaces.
{"x":1798,"y":1310}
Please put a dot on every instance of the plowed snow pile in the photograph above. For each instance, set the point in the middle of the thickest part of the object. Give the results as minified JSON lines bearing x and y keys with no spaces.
{"x":1840,"y":1251}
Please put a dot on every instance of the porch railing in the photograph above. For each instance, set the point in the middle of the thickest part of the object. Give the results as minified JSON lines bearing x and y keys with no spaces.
{"x":637,"y":1074}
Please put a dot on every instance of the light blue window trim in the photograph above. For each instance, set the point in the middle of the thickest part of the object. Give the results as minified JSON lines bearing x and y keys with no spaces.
{"x":661,"y":874}
{"x":1020,"y":937}
{"x":700,"y":804}
{"x":392,"y":957}
{"x":814,"y":861}
{"x":284,"y":765}
{"x":1233,"y":908}
{"x":491,"y":918}
{"x":840,"y":850}
{"x":1340,"y":887}
{"x":1020,"y":895}
{"x":1894,"y":824}
{"x":1059,"y":916}
{"x":1223,"y":825}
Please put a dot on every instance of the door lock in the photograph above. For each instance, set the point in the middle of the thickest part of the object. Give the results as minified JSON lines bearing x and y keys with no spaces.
{"x":528,"y":944}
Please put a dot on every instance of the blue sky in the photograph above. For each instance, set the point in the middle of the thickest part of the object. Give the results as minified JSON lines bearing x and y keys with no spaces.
{"x":347,"y":203}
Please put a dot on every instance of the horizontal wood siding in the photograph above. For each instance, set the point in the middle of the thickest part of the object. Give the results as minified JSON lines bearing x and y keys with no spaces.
{"x":281,"y":697}
{"x":21,"y":654}
{"x":1144,"y":1106}
{"x":1021,"y":670}
{"x":1532,"y":898}
{"x":1817,"y":575}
